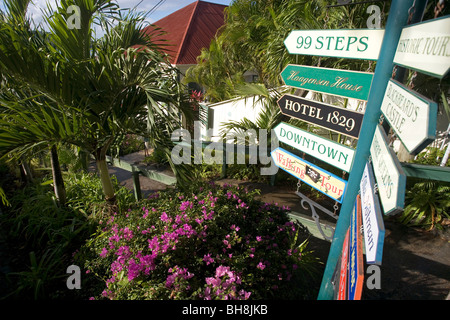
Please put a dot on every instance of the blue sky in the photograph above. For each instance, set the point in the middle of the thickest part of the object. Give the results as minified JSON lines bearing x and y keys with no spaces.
{"x":164,"y":9}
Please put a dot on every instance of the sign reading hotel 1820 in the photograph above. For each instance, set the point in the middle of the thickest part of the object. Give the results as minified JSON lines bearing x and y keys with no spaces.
{"x":337,"y":119}
{"x":353,"y":44}
{"x":350,"y":84}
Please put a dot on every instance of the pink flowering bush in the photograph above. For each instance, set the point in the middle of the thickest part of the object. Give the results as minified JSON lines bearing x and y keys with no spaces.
{"x":207,"y":243}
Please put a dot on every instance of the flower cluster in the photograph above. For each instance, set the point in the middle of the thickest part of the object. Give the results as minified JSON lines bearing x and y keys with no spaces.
{"x":223,"y":286}
{"x":236,"y":246}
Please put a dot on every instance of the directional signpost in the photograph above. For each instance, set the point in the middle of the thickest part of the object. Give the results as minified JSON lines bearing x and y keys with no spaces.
{"x":353,"y":44}
{"x":425,"y":47}
{"x":391,"y":179}
{"x":372,"y":218}
{"x":412,"y":117}
{"x":320,"y":179}
{"x":397,"y":19}
{"x":340,"y":120}
{"x":326,"y":150}
{"x":350,"y":84}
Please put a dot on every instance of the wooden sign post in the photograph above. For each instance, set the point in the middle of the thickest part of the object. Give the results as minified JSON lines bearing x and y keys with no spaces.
{"x":397,"y":19}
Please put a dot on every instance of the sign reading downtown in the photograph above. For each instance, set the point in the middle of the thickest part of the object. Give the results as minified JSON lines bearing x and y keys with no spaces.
{"x":326,"y":150}
{"x":353,"y":44}
{"x":322,"y":180}
{"x":350,"y":84}
{"x":337,"y":119}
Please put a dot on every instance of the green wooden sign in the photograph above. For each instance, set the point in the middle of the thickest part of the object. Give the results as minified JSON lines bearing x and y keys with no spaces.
{"x":350,"y":84}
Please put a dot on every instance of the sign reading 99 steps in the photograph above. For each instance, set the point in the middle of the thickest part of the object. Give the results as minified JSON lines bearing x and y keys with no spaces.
{"x":353,"y":44}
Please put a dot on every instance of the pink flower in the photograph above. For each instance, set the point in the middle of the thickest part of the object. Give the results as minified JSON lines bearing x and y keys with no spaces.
{"x":164,"y":217}
{"x":104,"y":253}
{"x":261,"y":266}
{"x":207,"y":258}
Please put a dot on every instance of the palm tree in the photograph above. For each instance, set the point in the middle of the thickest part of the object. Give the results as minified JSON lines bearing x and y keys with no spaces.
{"x":101,"y":88}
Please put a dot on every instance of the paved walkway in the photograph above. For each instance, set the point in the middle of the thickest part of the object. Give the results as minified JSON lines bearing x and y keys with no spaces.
{"x":416,"y":264}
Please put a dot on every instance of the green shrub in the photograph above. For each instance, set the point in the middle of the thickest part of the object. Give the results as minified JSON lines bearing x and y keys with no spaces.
{"x":209,"y":243}
{"x":427,"y":204}
{"x":43,"y":236}
{"x":85,"y":194}
{"x":131,"y":143}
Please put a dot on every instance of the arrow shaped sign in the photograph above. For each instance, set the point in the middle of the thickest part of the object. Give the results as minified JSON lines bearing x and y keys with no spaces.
{"x":372,"y":218}
{"x":391,"y":178}
{"x":318,"y":178}
{"x":352,"y":43}
{"x":340,"y":120}
{"x":425,"y":47}
{"x":412,"y":116}
{"x":326,"y":150}
{"x":344,"y":83}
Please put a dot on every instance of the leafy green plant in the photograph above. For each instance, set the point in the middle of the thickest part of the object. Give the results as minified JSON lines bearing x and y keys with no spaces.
{"x":32,"y":283}
{"x":210,"y":242}
{"x":131,"y":143}
{"x":431,"y":156}
{"x":427,"y":204}
{"x":84,"y":191}
{"x":36,"y":227}
{"x":157,"y":156}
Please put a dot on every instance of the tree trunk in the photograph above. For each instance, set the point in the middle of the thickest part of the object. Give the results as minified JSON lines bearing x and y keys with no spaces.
{"x":403,"y":154}
{"x":107,"y":185}
{"x":84,"y":158}
{"x":58,"y":182}
{"x":25,"y":171}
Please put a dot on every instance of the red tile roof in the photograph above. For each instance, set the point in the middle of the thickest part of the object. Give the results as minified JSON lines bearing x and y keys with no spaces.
{"x":190,"y":29}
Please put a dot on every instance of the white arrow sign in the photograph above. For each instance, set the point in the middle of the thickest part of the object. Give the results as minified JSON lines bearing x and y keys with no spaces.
{"x":411,"y":116}
{"x":391,"y":179}
{"x":352,"y":43}
{"x":372,"y":219}
{"x":326,"y":150}
{"x":425,"y":47}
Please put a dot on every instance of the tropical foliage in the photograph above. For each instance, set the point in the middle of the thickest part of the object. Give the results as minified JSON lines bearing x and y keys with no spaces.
{"x":209,"y":243}
{"x":66,"y":85}
{"x":427,"y":205}
{"x":252,"y":40}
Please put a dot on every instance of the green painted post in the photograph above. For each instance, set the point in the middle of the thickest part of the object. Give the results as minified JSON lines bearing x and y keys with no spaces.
{"x":136,"y":184}
{"x":398,"y":17}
